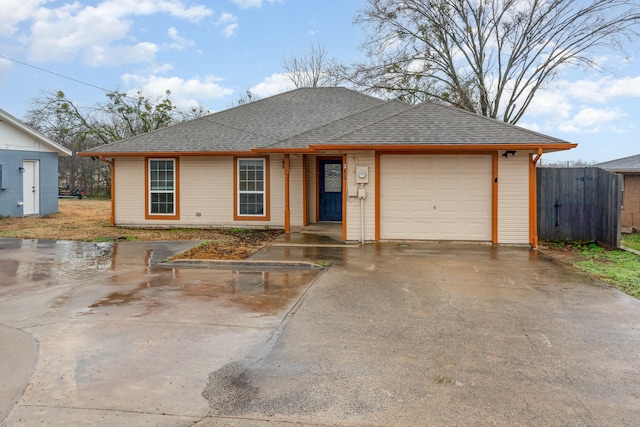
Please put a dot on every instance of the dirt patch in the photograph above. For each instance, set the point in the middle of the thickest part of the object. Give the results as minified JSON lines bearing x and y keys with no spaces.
{"x":88,"y":220}
{"x":563,"y":253}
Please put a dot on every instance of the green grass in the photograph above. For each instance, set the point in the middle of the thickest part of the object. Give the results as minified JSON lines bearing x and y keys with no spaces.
{"x":619,"y":268}
{"x":631,"y":241}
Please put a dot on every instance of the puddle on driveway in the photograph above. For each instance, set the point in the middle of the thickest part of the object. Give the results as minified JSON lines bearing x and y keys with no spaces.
{"x":123,"y":274}
{"x":36,"y":264}
{"x":261,"y":292}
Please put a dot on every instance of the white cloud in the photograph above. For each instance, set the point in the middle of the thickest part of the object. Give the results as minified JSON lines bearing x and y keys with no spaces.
{"x":229,"y":23}
{"x":272,"y":85}
{"x":114,"y":56}
{"x":248,"y":4}
{"x":179,"y":42}
{"x":90,"y":32}
{"x":185,"y":93}
{"x":13,"y":12}
{"x":163,"y":68}
{"x":174,"y":8}
{"x":591,"y":120}
{"x":588,"y":105}
{"x":604,"y":89}
{"x":546,"y":102}
{"x":624,"y":87}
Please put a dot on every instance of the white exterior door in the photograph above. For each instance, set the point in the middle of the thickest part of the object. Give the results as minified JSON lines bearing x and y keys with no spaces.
{"x":30,"y":188}
{"x":435,"y":197}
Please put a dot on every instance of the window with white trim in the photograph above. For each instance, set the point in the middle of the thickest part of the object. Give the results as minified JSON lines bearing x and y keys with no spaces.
{"x":162,"y":188}
{"x":251,"y":187}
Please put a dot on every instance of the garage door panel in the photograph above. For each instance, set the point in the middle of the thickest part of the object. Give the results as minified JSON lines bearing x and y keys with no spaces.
{"x":429,"y":197}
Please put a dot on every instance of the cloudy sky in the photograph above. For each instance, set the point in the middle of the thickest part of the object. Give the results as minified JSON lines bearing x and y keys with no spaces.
{"x":211,"y":53}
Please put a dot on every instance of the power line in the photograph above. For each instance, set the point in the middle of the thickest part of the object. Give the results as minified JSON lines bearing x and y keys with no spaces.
{"x":57,"y":74}
{"x":73,"y":79}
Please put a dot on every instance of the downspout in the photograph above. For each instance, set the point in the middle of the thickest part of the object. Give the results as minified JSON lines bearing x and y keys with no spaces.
{"x":361,"y":214}
{"x":112,"y":220}
{"x":287,"y":211}
{"x":533,"y":199}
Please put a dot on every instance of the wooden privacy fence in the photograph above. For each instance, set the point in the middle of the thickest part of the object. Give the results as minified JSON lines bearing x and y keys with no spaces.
{"x":579,"y":204}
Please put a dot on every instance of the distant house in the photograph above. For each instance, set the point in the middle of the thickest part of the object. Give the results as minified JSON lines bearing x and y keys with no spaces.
{"x":28,"y":169}
{"x":384,"y":170}
{"x":629,"y":168}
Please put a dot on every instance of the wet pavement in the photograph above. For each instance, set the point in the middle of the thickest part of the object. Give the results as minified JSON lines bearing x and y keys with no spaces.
{"x":390,"y":334}
{"x":119,"y":340}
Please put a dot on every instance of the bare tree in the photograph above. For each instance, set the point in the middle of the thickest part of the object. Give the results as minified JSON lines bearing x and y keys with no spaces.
{"x":80,"y":128}
{"x":313,"y":69}
{"x":565,"y":163}
{"x":486,"y":56}
{"x":247,"y":98}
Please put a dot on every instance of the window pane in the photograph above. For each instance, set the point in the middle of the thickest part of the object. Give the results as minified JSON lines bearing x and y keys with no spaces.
{"x":161,"y":176}
{"x":161,"y":186}
{"x":251,"y":204}
{"x":162,"y":203}
{"x":332,"y":178}
{"x":251,"y":187}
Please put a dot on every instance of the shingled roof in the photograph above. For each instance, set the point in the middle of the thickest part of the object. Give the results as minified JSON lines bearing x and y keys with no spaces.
{"x":328,"y":117}
{"x":626,"y":164}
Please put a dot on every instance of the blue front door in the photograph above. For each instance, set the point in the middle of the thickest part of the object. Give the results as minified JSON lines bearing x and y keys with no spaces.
{"x":330,"y":189}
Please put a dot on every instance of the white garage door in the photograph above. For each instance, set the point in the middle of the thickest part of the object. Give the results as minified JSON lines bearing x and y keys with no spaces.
{"x":427,"y":197}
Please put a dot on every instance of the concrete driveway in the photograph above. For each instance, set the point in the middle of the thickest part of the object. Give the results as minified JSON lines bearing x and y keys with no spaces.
{"x":403,"y":335}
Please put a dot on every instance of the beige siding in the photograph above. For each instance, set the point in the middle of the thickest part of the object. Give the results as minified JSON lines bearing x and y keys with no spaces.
{"x":513,"y":199}
{"x":277,"y":191}
{"x":206,"y":190}
{"x":435,"y":197}
{"x":129,"y":191}
{"x":353,"y":217}
{"x":295,"y":190}
{"x":206,"y":193}
{"x":312,"y":188}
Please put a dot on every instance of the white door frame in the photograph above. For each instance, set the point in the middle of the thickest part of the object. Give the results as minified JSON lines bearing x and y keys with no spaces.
{"x":30,"y":187}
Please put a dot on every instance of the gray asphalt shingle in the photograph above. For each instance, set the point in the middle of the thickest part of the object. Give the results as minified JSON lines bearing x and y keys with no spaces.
{"x":433,"y":123}
{"x":335,"y":116}
{"x":625,"y":164}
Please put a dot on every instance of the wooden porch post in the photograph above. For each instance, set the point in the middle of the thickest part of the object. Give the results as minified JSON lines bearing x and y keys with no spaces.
{"x":533,"y":200}
{"x":287,"y":212}
{"x":112,"y":220}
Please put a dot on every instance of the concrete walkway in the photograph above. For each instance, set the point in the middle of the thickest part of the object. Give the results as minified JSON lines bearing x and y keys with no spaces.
{"x":389,"y":335}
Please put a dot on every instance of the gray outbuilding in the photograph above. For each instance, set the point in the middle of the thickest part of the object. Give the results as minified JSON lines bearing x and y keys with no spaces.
{"x":28,"y":169}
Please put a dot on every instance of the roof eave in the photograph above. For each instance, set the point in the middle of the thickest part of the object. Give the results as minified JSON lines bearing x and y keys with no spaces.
{"x":314,"y":148}
{"x":445,"y":147}
{"x":620,"y":170}
{"x":164,"y":153}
